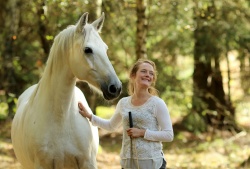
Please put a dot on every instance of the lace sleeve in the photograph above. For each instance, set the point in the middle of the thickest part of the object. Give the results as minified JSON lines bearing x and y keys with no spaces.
{"x":166,"y":133}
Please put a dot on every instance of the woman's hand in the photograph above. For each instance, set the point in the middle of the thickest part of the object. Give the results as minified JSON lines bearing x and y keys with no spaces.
{"x":83,"y":111}
{"x":135,"y":132}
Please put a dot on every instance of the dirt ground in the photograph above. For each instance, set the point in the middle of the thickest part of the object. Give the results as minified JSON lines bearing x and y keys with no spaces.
{"x":188,"y":151}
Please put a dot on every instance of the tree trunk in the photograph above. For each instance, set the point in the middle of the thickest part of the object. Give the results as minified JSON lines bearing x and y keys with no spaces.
{"x":94,"y":8}
{"x":209,"y":99}
{"x":9,"y":35}
{"x":141,"y":29}
{"x":244,"y":58}
{"x":42,"y":29}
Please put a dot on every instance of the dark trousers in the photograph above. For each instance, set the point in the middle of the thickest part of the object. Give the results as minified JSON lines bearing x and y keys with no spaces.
{"x":164,"y":164}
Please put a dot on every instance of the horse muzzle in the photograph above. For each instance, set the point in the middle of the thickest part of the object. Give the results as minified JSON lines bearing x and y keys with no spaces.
{"x":111,"y":91}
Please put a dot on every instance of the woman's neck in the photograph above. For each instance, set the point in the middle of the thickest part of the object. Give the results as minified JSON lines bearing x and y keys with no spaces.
{"x":139,"y":98}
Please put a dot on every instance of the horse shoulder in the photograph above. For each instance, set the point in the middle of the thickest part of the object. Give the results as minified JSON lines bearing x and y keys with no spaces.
{"x":25,"y":96}
{"x":79,"y":96}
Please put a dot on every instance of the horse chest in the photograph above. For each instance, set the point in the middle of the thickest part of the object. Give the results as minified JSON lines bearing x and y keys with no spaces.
{"x":59,"y":147}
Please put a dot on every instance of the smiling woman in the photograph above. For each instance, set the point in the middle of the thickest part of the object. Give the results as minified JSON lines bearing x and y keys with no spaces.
{"x":144,"y":117}
{"x":142,"y":75}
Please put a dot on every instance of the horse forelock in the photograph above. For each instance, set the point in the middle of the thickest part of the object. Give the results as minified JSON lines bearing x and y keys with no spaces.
{"x":92,"y":34}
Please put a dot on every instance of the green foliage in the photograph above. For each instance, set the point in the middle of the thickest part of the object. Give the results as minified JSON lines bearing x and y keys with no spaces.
{"x":29,"y":28}
{"x":7,"y":105}
{"x":3,"y":110}
{"x":194,"y":122}
{"x":105,"y":112}
{"x":170,"y":40}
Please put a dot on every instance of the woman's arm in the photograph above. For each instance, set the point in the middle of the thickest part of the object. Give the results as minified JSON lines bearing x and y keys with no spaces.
{"x":162,"y":115}
{"x":107,"y":124}
{"x":83,"y":111}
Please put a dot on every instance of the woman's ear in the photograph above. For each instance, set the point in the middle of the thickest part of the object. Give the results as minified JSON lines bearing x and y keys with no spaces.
{"x":132,"y":76}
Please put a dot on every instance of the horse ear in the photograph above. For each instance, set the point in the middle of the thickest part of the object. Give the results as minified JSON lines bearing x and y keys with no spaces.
{"x":82,"y":22}
{"x":99,"y":22}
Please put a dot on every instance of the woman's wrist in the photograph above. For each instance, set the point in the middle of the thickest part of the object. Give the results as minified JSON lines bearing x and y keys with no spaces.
{"x":89,"y":117}
{"x":142,"y":132}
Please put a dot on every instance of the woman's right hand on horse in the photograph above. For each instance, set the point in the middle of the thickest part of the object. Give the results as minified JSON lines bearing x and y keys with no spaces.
{"x":83,"y":111}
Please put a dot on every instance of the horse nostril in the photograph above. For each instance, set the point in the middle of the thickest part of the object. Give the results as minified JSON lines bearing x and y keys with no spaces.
{"x":112,"y":89}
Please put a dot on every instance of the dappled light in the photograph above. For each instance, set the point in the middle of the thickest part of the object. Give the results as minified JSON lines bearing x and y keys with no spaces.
{"x":201,"y":50}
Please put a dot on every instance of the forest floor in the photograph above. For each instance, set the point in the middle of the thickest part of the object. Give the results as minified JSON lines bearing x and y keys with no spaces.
{"x":222,"y":150}
{"x":212,"y":150}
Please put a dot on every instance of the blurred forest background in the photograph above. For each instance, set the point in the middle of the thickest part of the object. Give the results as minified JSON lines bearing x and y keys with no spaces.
{"x":202,"y":52}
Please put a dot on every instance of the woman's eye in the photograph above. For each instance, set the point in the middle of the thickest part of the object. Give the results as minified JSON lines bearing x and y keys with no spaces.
{"x":88,"y":50}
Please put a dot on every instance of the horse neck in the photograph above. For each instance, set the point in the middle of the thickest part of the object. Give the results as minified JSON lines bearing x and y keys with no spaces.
{"x":56,"y":90}
{"x":57,"y":84}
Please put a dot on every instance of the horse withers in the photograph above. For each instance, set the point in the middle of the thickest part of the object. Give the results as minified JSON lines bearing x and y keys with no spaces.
{"x":47,"y":131}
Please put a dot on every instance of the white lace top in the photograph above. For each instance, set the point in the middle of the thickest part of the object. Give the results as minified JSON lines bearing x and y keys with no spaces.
{"x":153,"y":116}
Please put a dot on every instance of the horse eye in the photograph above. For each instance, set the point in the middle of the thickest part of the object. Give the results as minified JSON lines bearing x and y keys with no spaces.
{"x":88,"y":50}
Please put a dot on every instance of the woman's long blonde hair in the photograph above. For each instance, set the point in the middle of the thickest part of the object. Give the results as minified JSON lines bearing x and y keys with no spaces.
{"x":152,"y":90}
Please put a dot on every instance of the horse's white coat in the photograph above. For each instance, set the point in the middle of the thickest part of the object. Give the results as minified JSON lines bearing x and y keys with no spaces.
{"x":47,"y":131}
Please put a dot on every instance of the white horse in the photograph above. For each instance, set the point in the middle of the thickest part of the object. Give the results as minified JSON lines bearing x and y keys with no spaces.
{"x":47,"y":131}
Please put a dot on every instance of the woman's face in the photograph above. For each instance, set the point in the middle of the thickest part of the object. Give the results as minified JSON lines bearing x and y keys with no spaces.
{"x":144,"y":76}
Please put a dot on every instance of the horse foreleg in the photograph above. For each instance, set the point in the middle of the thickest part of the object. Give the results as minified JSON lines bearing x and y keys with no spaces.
{"x":77,"y":163}
{"x":85,"y":164}
{"x":52,"y":164}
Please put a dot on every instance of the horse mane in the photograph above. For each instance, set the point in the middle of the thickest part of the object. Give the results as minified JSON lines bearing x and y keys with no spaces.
{"x":61,"y":48}
{"x":58,"y":52}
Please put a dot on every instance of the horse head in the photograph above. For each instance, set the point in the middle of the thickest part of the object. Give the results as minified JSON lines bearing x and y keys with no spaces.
{"x":89,"y":61}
